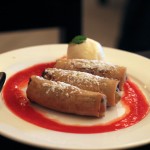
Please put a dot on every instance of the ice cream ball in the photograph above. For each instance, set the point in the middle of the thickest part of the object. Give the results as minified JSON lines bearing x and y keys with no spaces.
{"x":85,"y":48}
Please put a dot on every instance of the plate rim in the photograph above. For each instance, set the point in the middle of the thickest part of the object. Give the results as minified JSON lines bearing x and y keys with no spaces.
{"x":105,"y":48}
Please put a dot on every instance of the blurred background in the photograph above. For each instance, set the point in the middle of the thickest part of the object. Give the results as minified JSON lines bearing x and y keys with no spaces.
{"x":122,"y":24}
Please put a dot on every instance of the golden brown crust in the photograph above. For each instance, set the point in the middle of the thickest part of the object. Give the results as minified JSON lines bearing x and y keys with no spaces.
{"x":95,"y":67}
{"x":86,"y":81}
{"x":66,"y":98}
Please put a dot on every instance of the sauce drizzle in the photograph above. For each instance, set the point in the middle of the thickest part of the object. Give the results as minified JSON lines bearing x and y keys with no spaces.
{"x":16,"y":101}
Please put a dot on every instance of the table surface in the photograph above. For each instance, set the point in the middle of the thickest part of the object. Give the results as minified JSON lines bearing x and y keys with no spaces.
{"x":7,"y":143}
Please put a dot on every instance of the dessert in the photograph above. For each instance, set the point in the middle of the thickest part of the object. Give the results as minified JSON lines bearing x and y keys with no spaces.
{"x":80,"y":84}
{"x":86,"y":81}
{"x":133,"y":101}
{"x":66,"y":98}
{"x":84,"y":48}
{"x":95,"y":67}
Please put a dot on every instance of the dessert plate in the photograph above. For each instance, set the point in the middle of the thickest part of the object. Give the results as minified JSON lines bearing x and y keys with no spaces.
{"x":15,"y":128}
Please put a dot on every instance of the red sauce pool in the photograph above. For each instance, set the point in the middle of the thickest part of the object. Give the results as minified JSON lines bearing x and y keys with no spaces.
{"x":16,"y":101}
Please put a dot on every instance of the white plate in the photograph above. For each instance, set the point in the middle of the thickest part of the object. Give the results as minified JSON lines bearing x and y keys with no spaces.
{"x":17,"y":129}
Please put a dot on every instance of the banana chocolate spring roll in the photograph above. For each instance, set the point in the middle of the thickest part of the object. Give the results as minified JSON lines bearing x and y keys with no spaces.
{"x":86,"y":81}
{"x":95,"y":67}
{"x":65,"y":98}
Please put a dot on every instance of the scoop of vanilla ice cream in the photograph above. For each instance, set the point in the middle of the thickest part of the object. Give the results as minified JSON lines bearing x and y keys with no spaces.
{"x":89,"y":49}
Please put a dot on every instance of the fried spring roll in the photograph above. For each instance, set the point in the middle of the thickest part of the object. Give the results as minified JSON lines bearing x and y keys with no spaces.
{"x":95,"y":67}
{"x":86,"y":81}
{"x":66,"y":98}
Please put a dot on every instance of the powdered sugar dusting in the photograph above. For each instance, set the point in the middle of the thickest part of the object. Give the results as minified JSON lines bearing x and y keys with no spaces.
{"x":84,"y":63}
{"x":76,"y":78}
{"x":95,"y":67}
{"x":60,"y":87}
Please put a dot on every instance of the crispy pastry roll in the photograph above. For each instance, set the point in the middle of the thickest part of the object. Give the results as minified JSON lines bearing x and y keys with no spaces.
{"x":95,"y":67}
{"x":66,"y":98}
{"x":86,"y":81}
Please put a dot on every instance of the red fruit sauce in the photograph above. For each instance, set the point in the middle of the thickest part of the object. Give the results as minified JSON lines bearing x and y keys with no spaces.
{"x":16,"y":100}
